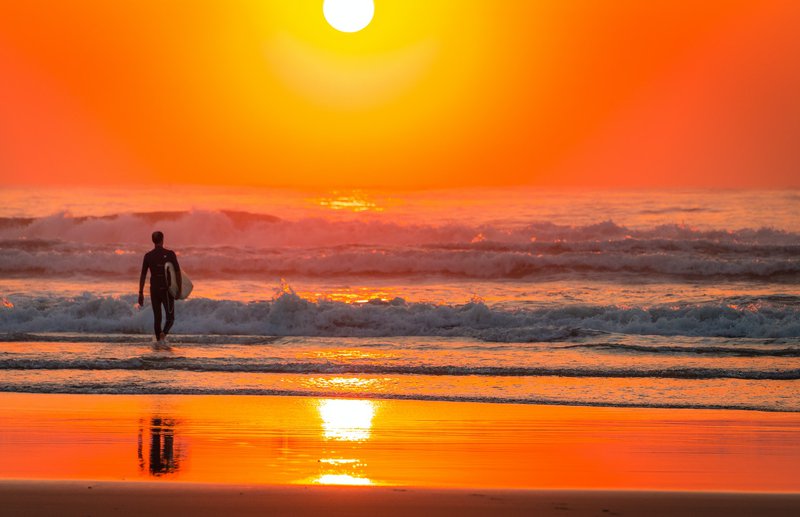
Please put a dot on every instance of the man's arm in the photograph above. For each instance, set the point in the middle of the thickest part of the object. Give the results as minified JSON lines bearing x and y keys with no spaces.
{"x":141,"y":281}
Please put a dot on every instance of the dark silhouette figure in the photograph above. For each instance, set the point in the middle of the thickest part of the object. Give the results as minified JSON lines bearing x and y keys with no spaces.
{"x":155,"y":261}
{"x":162,"y":457}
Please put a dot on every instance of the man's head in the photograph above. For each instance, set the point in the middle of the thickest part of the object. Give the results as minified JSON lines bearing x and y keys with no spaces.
{"x":158,"y":238}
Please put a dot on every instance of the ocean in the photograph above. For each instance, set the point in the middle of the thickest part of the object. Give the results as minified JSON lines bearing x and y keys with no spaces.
{"x":667,"y":298}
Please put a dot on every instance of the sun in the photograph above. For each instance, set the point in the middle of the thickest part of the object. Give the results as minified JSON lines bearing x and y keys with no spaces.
{"x":348,"y":15}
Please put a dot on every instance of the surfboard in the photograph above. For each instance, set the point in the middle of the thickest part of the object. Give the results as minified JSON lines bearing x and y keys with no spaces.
{"x":186,"y":284}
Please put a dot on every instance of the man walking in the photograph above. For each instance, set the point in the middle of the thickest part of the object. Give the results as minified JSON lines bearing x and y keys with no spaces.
{"x":155,"y":260}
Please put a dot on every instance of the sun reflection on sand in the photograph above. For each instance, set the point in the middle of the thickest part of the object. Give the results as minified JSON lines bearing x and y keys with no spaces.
{"x":344,"y":420}
{"x":342,"y":479}
{"x":347,"y":420}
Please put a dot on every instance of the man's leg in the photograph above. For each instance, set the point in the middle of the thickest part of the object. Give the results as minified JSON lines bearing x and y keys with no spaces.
{"x":155,"y":301}
{"x":169,"y":306}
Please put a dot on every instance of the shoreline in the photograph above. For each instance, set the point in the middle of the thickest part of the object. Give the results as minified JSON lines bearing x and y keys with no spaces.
{"x":415,"y":398}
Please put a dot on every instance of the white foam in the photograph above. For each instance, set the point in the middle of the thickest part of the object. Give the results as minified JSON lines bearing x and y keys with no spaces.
{"x":290,"y":315}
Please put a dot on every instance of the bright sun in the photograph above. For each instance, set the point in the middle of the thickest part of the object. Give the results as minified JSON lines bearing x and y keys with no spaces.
{"x":348,"y":15}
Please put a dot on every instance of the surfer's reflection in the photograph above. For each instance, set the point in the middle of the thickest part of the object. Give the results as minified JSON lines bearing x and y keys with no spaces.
{"x":163,"y":457}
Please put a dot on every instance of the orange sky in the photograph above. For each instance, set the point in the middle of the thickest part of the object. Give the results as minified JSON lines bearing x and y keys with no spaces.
{"x":433,"y":93}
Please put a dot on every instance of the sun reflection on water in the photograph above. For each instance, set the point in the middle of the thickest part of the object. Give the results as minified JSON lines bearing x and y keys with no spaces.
{"x":352,"y":201}
{"x":355,"y":295}
{"x":354,"y":355}
{"x":345,"y":386}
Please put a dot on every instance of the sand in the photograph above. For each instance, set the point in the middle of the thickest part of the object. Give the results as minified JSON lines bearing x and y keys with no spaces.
{"x":45,"y":498}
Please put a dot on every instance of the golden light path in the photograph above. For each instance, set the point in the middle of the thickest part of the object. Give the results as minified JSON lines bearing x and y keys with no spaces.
{"x":342,"y":479}
{"x":345,"y":420}
{"x":355,"y":201}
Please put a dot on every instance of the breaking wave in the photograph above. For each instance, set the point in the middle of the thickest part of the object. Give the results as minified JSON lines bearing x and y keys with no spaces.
{"x":475,"y":263}
{"x":291,"y":315}
{"x":220,"y":244}
{"x":244,"y":229}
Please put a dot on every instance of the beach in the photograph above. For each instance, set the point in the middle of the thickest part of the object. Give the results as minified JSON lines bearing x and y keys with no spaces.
{"x":129,"y":499}
{"x":292,"y":455}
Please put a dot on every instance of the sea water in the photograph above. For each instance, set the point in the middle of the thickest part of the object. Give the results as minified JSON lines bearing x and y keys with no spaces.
{"x":620,"y":298}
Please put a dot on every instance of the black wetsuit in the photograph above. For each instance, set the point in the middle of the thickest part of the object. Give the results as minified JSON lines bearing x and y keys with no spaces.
{"x":155,"y":260}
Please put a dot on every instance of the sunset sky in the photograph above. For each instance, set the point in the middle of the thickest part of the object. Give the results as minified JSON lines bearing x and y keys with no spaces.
{"x":433,"y":93}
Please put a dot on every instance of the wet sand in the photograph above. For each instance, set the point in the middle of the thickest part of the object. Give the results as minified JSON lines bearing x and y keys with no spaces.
{"x":151,"y":453}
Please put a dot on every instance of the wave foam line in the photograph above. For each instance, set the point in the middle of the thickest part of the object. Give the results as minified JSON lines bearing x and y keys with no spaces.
{"x":732,"y":351}
{"x":225,"y":365}
{"x":128,"y":389}
{"x":134,"y":339}
{"x":290,"y":315}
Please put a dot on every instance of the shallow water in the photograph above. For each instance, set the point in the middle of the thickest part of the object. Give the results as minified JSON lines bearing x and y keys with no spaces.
{"x":646,"y":298}
{"x":599,"y":371}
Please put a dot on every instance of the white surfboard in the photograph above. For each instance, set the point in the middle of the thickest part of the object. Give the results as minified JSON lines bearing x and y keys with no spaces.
{"x":186,"y":284}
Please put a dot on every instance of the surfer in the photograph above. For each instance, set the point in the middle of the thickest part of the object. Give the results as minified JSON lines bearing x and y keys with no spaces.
{"x":155,"y":260}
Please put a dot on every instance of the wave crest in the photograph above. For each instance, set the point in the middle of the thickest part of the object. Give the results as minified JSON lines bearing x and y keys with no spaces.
{"x":242,"y":229}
